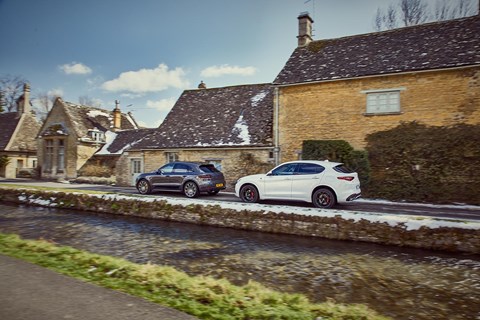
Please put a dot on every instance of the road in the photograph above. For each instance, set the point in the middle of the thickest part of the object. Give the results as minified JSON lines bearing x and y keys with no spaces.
{"x":362,"y":205}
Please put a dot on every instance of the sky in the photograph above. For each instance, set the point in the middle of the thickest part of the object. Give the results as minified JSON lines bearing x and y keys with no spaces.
{"x":144,"y":53}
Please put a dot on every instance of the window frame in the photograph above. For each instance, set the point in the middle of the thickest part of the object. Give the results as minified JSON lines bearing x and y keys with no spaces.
{"x":391,"y":106}
{"x":171,"y":157}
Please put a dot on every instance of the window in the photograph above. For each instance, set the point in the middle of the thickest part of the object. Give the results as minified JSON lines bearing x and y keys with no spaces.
{"x":136,"y":166}
{"x":309,"y":168}
{"x":182,"y":168}
{"x":48,"y":155}
{"x":168,"y":168}
{"x":172,"y":156}
{"x":216,"y":163}
{"x":97,"y":135}
{"x":208,"y":168}
{"x":287,"y":169}
{"x":383,"y":101}
{"x":61,"y":156}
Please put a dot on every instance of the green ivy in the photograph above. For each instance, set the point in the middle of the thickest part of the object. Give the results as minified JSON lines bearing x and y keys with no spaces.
{"x":415,"y":162}
{"x":4,"y":160}
{"x":339,"y":151}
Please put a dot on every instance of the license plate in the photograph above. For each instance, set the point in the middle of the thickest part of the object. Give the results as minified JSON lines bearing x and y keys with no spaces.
{"x":219,"y":185}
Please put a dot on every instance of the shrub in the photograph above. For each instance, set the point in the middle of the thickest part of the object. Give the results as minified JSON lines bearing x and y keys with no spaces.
{"x":416,"y":162}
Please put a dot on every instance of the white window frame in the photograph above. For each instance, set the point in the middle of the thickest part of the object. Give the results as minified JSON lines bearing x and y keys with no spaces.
{"x":97,"y":135}
{"x":171,"y":156}
{"x":383,"y":101}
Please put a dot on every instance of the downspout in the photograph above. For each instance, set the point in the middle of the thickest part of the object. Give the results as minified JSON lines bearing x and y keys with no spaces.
{"x":276,"y":129}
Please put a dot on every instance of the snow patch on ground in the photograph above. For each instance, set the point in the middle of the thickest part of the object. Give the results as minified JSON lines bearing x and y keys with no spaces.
{"x":409,"y":222}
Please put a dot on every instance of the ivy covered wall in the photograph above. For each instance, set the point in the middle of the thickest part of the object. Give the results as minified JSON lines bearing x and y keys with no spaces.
{"x":415,"y":162}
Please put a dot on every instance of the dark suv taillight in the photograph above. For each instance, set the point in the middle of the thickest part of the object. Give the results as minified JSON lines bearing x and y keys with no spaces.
{"x":205,"y":177}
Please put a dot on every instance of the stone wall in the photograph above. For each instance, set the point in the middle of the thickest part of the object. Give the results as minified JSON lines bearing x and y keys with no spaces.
{"x":453,"y":239}
{"x":336,"y":110}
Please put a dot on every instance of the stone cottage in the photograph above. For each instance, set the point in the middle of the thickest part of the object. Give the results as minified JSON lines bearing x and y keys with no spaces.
{"x":18,"y":148}
{"x":347,"y":88}
{"x":72,"y":134}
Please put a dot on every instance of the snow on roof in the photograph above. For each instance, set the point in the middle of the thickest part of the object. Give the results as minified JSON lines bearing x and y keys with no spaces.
{"x":95,"y":113}
{"x":109,"y":138}
{"x":242,"y":128}
{"x":258,"y":97}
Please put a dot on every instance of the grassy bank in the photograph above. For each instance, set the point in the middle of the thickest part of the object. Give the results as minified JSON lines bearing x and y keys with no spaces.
{"x":204,"y":297}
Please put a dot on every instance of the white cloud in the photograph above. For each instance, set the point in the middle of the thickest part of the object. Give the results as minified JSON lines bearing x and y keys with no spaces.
{"x":148,"y":80}
{"x":75,"y":68}
{"x":57,"y":92}
{"x":218,"y":71}
{"x":162,"y":105}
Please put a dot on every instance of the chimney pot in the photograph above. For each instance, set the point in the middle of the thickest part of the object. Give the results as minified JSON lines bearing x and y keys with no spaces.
{"x":202,"y":85}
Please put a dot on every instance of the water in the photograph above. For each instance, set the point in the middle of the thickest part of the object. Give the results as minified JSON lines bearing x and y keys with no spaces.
{"x":400,"y":283}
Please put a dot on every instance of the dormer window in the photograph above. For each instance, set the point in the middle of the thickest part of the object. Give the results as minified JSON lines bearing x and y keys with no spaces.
{"x":96,"y":135}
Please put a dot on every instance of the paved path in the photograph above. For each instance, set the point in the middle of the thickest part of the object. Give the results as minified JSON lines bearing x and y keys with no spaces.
{"x":30,"y":292}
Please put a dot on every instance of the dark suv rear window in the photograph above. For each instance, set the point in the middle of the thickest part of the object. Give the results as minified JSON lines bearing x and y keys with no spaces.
{"x":208,"y":168}
{"x":342,"y":169}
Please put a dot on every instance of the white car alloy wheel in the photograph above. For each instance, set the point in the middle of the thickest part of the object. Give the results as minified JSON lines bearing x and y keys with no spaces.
{"x":323,"y":198}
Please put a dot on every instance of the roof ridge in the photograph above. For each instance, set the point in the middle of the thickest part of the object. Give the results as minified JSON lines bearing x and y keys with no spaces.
{"x":232,"y":86}
{"x":418,"y":26}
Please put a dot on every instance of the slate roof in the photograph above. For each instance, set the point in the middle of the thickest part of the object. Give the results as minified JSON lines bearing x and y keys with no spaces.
{"x":84,"y":118}
{"x":235,"y":116}
{"x":8,"y":123}
{"x":438,"y":45}
{"x":121,"y":140}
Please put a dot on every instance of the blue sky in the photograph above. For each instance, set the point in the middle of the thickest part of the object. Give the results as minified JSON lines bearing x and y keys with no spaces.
{"x":144,"y":53}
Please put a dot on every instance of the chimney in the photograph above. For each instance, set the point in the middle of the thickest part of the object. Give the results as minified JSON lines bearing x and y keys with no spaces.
{"x":117,"y":117}
{"x":202,"y":85}
{"x":304,"y":29}
{"x":23,"y":104}
{"x":3,"y":104}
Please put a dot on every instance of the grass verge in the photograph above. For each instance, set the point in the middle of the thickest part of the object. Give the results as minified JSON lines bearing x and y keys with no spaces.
{"x":203,"y":297}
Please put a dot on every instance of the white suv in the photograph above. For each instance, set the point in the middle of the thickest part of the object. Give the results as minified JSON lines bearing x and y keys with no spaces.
{"x":322,"y":183}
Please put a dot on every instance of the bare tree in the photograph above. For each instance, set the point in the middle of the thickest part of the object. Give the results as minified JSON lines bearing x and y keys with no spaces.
{"x":12,"y":89}
{"x":465,"y":8}
{"x":44,"y":102}
{"x":387,"y":20}
{"x":88,"y":101}
{"x":413,"y":12}
{"x":443,"y":10}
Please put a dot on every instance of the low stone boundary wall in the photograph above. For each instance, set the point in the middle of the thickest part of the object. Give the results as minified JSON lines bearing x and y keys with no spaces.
{"x":446,"y":235}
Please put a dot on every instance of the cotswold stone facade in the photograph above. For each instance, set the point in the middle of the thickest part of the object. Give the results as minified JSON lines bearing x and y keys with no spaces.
{"x":458,"y":238}
{"x":337,"y":109}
